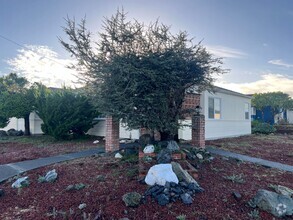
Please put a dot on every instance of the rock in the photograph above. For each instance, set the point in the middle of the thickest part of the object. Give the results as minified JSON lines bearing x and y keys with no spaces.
{"x":21,"y":182}
{"x":276,"y":204}
{"x":284,"y":190}
{"x":13,"y":132}
{"x":51,"y":176}
{"x":149,"y":149}
{"x":100,"y":178}
{"x":186,"y":198}
{"x":145,"y":139}
{"x":195,"y":187}
{"x":1,"y":193}
{"x":164,"y":156}
{"x":131,"y":199}
{"x":163,"y":199}
{"x":70,"y":188}
{"x":160,"y":174}
{"x":96,"y":142}
{"x":172,"y":146}
{"x":182,"y":175}
{"x":3,"y":133}
{"x":118,"y":155}
{"x":199,"y":156}
{"x":82,"y":206}
{"x":237,"y":195}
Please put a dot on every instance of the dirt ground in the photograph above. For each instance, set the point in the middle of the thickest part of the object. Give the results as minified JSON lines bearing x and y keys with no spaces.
{"x":274,"y":147}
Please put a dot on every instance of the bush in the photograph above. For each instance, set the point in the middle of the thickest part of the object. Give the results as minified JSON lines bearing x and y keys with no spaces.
{"x":284,"y":128}
{"x":258,"y":127}
{"x":65,"y":113}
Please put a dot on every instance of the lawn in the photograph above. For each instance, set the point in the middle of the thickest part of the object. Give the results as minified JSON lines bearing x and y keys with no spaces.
{"x":103,"y":194}
{"x":274,"y":147}
{"x":15,"y":149}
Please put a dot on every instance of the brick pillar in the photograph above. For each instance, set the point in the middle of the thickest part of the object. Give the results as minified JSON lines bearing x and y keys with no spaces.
{"x":198,"y":131}
{"x":112,"y":134}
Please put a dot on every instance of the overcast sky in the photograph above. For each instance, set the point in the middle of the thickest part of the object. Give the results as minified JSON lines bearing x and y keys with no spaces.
{"x":254,"y":37}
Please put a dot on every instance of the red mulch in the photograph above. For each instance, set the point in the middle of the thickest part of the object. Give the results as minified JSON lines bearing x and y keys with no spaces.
{"x":104,"y":198}
{"x":275,"y":147}
{"x":17,"y":151}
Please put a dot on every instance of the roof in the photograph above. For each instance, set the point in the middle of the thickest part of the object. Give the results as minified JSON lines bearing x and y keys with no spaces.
{"x":230,"y":92}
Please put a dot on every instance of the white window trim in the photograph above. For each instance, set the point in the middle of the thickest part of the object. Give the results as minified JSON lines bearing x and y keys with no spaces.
{"x":249,"y":111}
{"x":220,"y":99}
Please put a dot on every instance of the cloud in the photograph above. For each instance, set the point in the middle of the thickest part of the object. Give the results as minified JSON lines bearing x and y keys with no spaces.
{"x":225,"y":52}
{"x":268,"y":83}
{"x":41,"y":64}
{"x":280,"y":63}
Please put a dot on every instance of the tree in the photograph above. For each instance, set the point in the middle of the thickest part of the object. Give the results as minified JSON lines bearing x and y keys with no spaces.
{"x":16,"y":99}
{"x":65,"y":112}
{"x":277,"y":102}
{"x":140,"y":73}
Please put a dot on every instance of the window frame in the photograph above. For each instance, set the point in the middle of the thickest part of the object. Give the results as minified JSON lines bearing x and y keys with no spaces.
{"x":249,"y":113}
{"x":214,"y":112}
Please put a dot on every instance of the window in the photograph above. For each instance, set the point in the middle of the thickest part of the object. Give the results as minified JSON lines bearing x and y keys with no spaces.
{"x":215,"y":108}
{"x":246,"y":110}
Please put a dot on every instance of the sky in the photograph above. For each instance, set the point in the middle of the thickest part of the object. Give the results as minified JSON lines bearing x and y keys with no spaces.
{"x":254,"y":38}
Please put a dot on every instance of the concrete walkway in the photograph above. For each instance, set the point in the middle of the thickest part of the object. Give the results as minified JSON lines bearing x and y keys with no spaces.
{"x":12,"y":169}
{"x":262,"y":162}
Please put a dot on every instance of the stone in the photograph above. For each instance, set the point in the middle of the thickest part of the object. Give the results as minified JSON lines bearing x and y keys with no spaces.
{"x":186,"y":198}
{"x":182,"y":175}
{"x":199,"y":156}
{"x":82,"y":206}
{"x":21,"y":182}
{"x":276,"y":204}
{"x":118,"y":155}
{"x":3,"y":133}
{"x":100,"y":178}
{"x":131,"y":199}
{"x":284,"y":190}
{"x":195,"y":187}
{"x":237,"y":195}
{"x":160,"y":174}
{"x":172,"y":146}
{"x":51,"y":176}
{"x":145,"y":139}
{"x":163,"y":199}
{"x":164,"y":156}
{"x":96,"y":142}
{"x":149,"y":149}
{"x":70,"y":188}
{"x":2,"y":193}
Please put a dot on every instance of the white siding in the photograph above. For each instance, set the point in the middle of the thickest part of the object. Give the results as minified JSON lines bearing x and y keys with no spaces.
{"x":126,"y":133}
{"x":290,"y":116}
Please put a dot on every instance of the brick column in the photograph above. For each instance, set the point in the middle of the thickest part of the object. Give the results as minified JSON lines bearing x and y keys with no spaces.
{"x":198,"y":131}
{"x":112,"y":134}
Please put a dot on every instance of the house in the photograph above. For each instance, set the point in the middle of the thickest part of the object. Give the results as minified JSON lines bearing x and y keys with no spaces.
{"x":226,"y":114}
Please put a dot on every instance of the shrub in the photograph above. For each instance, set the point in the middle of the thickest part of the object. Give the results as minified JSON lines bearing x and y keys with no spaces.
{"x":65,"y":113}
{"x":258,"y":127}
{"x":284,"y":128}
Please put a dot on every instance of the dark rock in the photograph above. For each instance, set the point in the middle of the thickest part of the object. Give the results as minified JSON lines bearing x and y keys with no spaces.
{"x":167,"y":184}
{"x":141,"y":180}
{"x":1,"y":193}
{"x":163,"y":199}
{"x":172,"y":184}
{"x":237,"y":195}
{"x":162,"y":144}
{"x":70,"y":188}
{"x":145,"y":139}
{"x":177,"y":190}
{"x":3,"y":133}
{"x":164,"y":156}
{"x":100,"y":178}
{"x":183,"y":184}
{"x":13,"y":132}
{"x":186,"y":198}
{"x":131,"y":199}
{"x":172,"y":146}
{"x":195,"y":187}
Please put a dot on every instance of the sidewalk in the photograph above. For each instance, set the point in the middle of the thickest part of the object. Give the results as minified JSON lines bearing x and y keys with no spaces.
{"x":12,"y":169}
{"x":262,"y":162}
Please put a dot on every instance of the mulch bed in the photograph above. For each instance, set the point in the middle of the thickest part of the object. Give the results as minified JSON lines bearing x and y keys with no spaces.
{"x":103,"y":198}
{"x":16,"y":151}
{"x":274,"y":147}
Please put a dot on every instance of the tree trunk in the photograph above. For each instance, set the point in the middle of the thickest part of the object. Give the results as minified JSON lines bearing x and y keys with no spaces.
{"x":27,"y":125}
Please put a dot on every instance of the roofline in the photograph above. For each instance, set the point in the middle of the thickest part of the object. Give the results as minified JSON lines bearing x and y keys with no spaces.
{"x":230,"y":92}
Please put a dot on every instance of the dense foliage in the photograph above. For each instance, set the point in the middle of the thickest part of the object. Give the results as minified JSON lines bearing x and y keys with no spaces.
{"x":65,"y":113}
{"x":16,"y":99}
{"x":140,"y":73}
{"x":258,"y":127}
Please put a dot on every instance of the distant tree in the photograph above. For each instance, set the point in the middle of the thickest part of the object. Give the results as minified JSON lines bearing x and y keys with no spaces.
{"x":16,"y":99}
{"x":65,"y":112}
{"x":277,"y":101}
{"x":140,"y":73}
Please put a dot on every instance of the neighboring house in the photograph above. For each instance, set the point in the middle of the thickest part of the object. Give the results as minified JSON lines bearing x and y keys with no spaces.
{"x":227,"y":114}
{"x":268,"y":117}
